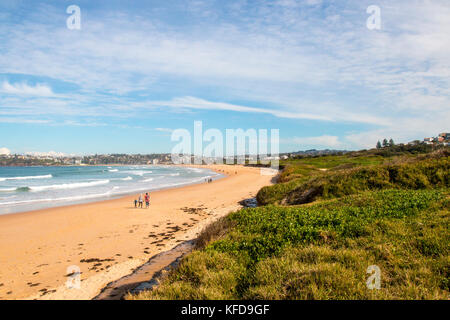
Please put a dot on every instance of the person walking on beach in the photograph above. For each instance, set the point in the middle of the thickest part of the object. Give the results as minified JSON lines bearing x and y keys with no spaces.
{"x":147,"y":200}
{"x":141,"y":202}
{"x":135,"y":203}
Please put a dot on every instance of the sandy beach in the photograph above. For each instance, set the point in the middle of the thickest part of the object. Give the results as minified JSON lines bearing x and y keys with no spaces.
{"x":109,"y":239}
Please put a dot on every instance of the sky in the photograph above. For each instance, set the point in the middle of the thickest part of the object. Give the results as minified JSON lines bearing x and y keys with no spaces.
{"x":137,"y":70}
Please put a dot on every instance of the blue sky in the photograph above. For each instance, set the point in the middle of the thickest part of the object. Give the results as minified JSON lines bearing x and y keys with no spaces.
{"x":136,"y":70}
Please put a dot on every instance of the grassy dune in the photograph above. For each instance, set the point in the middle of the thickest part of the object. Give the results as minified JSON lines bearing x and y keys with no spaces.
{"x":392,"y":213}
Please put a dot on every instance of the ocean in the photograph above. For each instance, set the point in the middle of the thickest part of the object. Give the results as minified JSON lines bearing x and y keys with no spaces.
{"x":32,"y":188}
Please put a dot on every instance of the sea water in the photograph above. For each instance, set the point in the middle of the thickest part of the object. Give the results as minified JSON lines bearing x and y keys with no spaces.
{"x":32,"y":188}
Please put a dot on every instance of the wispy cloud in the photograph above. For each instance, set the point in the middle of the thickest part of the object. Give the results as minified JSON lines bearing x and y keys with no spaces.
{"x":164,"y":129}
{"x":297,"y":60}
{"x":325,"y":141}
{"x":197,"y":103}
{"x":27,"y":90}
{"x":22,"y":120}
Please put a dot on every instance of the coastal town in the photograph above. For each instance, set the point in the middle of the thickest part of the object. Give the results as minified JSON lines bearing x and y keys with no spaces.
{"x":60,"y":159}
{"x":442,"y":138}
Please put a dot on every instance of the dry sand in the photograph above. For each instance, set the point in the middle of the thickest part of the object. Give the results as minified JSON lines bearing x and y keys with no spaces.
{"x":111,"y":237}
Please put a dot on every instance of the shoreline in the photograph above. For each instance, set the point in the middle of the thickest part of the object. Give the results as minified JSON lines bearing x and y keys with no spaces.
{"x":109,"y":239}
{"x":118,"y":196}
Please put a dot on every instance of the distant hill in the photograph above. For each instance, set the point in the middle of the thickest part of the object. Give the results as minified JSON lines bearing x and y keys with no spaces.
{"x":315,"y":152}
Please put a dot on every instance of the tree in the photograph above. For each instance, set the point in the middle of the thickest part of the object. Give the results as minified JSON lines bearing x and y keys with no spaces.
{"x":391,"y":142}
{"x":385,"y":143}
{"x":378,"y":144}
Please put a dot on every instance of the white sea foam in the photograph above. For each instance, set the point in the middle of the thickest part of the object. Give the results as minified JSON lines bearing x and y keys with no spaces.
{"x":148,"y":180}
{"x":113,"y":170}
{"x":74,"y":198}
{"x":127,"y":178}
{"x":195,"y":169}
{"x":69,"y":185}
{"x":47,"y":176}
{"x":138,"y":172}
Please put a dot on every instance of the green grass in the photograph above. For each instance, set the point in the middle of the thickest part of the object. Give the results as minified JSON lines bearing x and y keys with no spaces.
{"x":318,"y":231}
{"x":423,"y":174}
{"x":329,"y":162}
{"x":298,"y":171}
{"x":322,"y":251}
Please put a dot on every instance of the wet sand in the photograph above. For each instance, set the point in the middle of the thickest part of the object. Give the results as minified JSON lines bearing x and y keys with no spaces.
{"x":107,"y":240}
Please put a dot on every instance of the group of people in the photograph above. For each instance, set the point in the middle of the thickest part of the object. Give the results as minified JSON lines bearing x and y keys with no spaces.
{"x":140,"y":202}
{"x":208,"y":180}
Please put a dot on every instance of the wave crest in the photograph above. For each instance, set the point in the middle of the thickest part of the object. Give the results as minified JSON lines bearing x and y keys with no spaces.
{"x":68,"y":185}
{"x":47,"y":176}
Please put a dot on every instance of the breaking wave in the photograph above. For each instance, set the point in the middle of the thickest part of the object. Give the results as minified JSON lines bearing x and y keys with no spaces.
{"x":47,"y":176}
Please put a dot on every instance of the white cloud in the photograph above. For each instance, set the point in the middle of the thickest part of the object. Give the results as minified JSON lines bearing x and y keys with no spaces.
{"x":313,"y":2}
{"x":25,"y":89}
{"x":325,"y":66}
{"x":23,"y":120}
{"x":331,"y":113}
{"x":196,"y":103}
{"x":325,"y":141}
{"x":5,"y":151}
{"x":164,"y":129}
{"x":404,"y":130}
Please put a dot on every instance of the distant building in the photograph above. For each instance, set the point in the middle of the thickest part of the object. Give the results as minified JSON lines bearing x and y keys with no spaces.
{"x":445,"y":135}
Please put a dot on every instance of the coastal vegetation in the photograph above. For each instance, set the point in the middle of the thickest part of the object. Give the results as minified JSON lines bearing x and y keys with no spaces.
{"x":319,"y":229}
